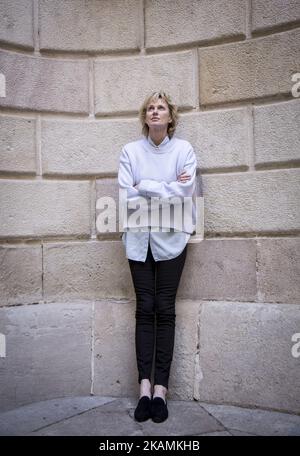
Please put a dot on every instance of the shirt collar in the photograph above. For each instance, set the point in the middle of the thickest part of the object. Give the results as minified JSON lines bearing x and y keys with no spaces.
{"x":164,"y":141}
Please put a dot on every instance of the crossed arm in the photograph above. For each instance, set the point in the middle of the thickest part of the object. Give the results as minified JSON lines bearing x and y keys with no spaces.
{"x":184,"y":186}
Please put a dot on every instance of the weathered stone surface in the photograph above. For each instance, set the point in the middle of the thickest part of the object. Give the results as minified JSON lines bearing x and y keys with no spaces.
{"x":252,"y":202}
{"x":278,"y":270}
{"x":247,"y":70}
{"x":86,"y":270}
{"x":113,"y":419}
{"x":44,"y":208}
{"x":215,"y":434}
{"x":220,"y":269}
{"x":122,"y":84}
{"x":184,"y":380}
{"x":114,"y":353}
{"x":107,"y":188}
{"x":48,"y":352}
{"x":108,"y":25}
{"x":257,"y":422}
{"x":29,"y":418}
{"x":191,"y":20}
{"x":274,"y":13}
{"x":45,"y":84}
{"x":115,"y":365}
{"x":246,"y":357}
{"x":116,"y":418}
{"x":276,"y":132}
{"x":17,"y":148}
{"x":219,"y":138}
{"x":20,"y":274}
{"x":99,"y":269}
{"x":83,"y":147}
{"x":16,"y":25}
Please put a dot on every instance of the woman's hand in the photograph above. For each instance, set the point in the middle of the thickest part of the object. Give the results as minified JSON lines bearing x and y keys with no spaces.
{"x":183,"y":177}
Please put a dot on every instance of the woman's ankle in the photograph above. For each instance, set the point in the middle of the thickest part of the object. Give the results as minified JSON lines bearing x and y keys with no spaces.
{"x":145,"y":388}
{"x":160,"y":391}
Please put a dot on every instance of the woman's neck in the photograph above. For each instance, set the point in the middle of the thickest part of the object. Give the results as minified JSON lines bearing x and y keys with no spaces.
{"x":157,"y":137}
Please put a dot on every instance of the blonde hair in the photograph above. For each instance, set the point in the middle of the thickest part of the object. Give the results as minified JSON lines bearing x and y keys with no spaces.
{"x":154,"y":96}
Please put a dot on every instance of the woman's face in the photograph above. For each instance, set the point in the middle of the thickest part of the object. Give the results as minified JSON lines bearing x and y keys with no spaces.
{"x":158,"y":115}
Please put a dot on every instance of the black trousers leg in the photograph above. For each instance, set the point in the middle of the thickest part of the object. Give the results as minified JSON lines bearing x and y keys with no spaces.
{"x":156,"y":285}
{"x":168,"y":274}
{"x":143,"y":277}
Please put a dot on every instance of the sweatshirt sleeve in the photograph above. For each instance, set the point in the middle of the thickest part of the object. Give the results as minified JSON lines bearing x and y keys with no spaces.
{"x":125,"y":177}
{"x":126,"y":183}
{"x":150,"y":187}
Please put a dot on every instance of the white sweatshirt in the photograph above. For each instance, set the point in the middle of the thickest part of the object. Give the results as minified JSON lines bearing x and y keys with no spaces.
{"x":163,"y":245}
{"x":155,"y":171}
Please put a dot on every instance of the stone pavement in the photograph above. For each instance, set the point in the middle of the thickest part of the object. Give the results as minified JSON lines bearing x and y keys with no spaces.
{"x":111,"y":416}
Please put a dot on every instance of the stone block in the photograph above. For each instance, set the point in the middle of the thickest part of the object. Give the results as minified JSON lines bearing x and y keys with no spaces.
{"x":16,"y":26}
{"x":73,"y":25}
{"x":219,"y":138}
{"x":31,"y":209}
{"x":274,"y":13}
{"x":278,"y":270}
{"x":257,"y":68}
{"x":184,"y":373}
{"x":108,"y":187}
{"x":17,"y":150}
{"x":114,"y":353}
{"x":252,"y":202}
{"x":220,"y":269}
{"x":246,"y":357}
{"x":192,"y":21}
{"x":81,"y":147}
{"x":276,"y":133}
{"x":48,"y":352}
{"x":20,"y":274}
{"x":45,"y":84}
{"x":86,"y":270}
{"x":122,"y":84}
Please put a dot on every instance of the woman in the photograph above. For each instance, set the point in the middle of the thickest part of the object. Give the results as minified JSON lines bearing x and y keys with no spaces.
{"x":158,"y":165}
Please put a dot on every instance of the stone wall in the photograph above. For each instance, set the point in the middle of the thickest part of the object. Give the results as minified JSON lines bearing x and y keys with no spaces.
{"x":76,"y":73}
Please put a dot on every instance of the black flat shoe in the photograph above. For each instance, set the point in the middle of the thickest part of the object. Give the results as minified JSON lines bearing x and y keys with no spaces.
{"x":143,"y":410}
{"x":159,"y":410}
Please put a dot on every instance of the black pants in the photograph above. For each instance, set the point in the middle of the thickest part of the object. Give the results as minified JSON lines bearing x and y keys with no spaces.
{"x":155,"y":285}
